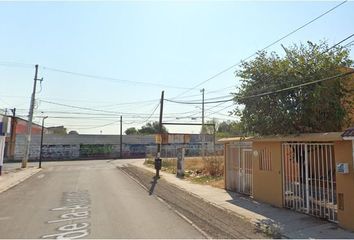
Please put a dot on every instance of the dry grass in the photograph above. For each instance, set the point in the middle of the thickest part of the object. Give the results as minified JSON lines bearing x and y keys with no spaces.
{"x":218,"y":183}
{"x":209,"y":171}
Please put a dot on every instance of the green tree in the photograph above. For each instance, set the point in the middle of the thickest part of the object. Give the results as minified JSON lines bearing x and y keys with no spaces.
{"x":151,"y":128}
{"x":131,"y":131}
{"x":313,"y":108}
{"x":209,"y":129}
{"x":229,"y":128}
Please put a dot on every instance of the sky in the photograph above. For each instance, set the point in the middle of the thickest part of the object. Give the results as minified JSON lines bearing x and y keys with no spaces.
{"x":137,"y":49}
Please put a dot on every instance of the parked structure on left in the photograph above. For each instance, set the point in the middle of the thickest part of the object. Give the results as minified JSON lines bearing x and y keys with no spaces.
{"x":18,"y":126}
{"x":5,"y":128}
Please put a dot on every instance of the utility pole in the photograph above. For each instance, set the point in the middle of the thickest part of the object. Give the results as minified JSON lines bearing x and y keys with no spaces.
{"x":30,"y":118}
{"x":121,"y":138}
{"x":203,"y":136}
{"x":12,"y":134}
{"x":158,"y":161}
{"x":160,"y":121}
{"x":40,"y":151}
{"x":13,"y":110}
{"x":214,"y":138}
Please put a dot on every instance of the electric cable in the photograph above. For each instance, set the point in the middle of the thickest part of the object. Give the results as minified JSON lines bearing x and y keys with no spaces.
{"x":266,"y":47}
{"x":110,"y":78}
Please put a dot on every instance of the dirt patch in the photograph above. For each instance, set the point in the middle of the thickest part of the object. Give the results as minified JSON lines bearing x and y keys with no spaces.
{"x":209,"y":171}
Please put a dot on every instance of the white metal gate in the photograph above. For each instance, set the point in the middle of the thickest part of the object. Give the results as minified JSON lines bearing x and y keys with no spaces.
{"x":244,"y":172}
{"x":309,"y":184}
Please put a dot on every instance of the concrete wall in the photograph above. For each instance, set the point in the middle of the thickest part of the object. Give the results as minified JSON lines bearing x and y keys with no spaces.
{"x":345,"y":184}
{"x":56,"y":147}
{"x":267,"y":184}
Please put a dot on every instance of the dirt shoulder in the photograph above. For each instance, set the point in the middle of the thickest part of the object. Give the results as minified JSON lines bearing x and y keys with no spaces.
{"x":216,"y":222}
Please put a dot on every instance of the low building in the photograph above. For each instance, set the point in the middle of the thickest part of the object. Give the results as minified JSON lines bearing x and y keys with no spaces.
{"x":57,"y":130}
{"x":18,"y":127}
{"x":309,"y":173}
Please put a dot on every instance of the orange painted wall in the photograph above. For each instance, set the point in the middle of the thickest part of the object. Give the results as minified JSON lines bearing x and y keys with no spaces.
{"x":21,"y":127}
{"x":343,"y":151}
{"x":267,"y":185}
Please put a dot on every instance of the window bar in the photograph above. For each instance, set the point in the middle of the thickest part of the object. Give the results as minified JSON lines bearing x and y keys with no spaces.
{"x":319,"y":200}
{"x":311,"y":177}
{"x":323,"y":202}
{"x":332,"y":185}
{"x":327,"y":203}
{"x":295,"y":176}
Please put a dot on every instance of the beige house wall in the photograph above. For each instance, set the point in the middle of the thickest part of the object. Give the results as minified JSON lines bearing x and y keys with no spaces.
{"x":345,"y":184}
{"x":267,"y":185}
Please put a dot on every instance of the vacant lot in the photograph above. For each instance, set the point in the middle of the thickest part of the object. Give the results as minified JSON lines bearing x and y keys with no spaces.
{"x":209,"y":170}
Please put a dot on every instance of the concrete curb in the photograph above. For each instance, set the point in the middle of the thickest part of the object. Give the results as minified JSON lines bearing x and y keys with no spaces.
{"x":273,"y":228}
{"x":255,"y":222}
{"x":12,"y":179}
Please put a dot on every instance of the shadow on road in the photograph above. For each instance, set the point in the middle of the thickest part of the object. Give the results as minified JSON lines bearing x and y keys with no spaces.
{"x":153,"y":184}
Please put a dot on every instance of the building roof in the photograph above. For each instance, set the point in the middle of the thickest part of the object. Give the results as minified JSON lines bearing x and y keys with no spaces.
{"x":22,"y":119}
{"x":348,"y":134}
{"x":234,"y":139}
{"x":305,"y":137}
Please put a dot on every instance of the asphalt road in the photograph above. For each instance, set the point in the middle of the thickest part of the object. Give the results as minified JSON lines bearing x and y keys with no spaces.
{"x":86,"y":199}
{"x":215,"y":222}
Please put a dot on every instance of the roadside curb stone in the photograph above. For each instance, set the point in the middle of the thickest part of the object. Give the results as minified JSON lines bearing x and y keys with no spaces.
{"x":11,"y":178}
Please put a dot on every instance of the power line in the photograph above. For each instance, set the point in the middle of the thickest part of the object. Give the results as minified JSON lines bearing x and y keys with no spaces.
{"x":266,"y":47}
{"x":148,"y":118}
{"x":77,"y":107}
{"x":111,"y":78}
{"x":296,"y":86}
{"x":262,"y":94}
{"x":111,"y":123}
{"x":350,"y":43}
{"x":133,"y":114}
{"x":193,"y":115}
{"x":16,"y":64}
{"x":338,"y":43}
{"x":99,"y":126}
{"x":335,"y":45}
{"x":288,"y":88}
{"x":91,"y":114}
{"x":228,"y":106}
{"x":198,"y":103}
{"x":107,"y":105}
{"x":147,"y":102}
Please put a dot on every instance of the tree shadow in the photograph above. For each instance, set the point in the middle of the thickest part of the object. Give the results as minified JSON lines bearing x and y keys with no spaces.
{"x":153,"y":184}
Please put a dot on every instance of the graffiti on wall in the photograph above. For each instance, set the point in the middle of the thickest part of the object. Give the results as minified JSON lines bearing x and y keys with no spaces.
{"x":137,"y":150}
{"x":96,"y":150}
{"x":60,"y":151}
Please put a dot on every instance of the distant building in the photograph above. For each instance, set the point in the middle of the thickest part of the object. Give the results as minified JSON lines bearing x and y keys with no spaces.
{"x":18,"y":126}
{"x":61,"y":130}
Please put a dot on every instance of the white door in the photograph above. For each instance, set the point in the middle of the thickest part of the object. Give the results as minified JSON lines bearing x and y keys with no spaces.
{"x":245,"y":173}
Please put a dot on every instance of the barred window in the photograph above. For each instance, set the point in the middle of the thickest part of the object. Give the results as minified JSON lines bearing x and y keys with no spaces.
{"x":265,"y":160}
